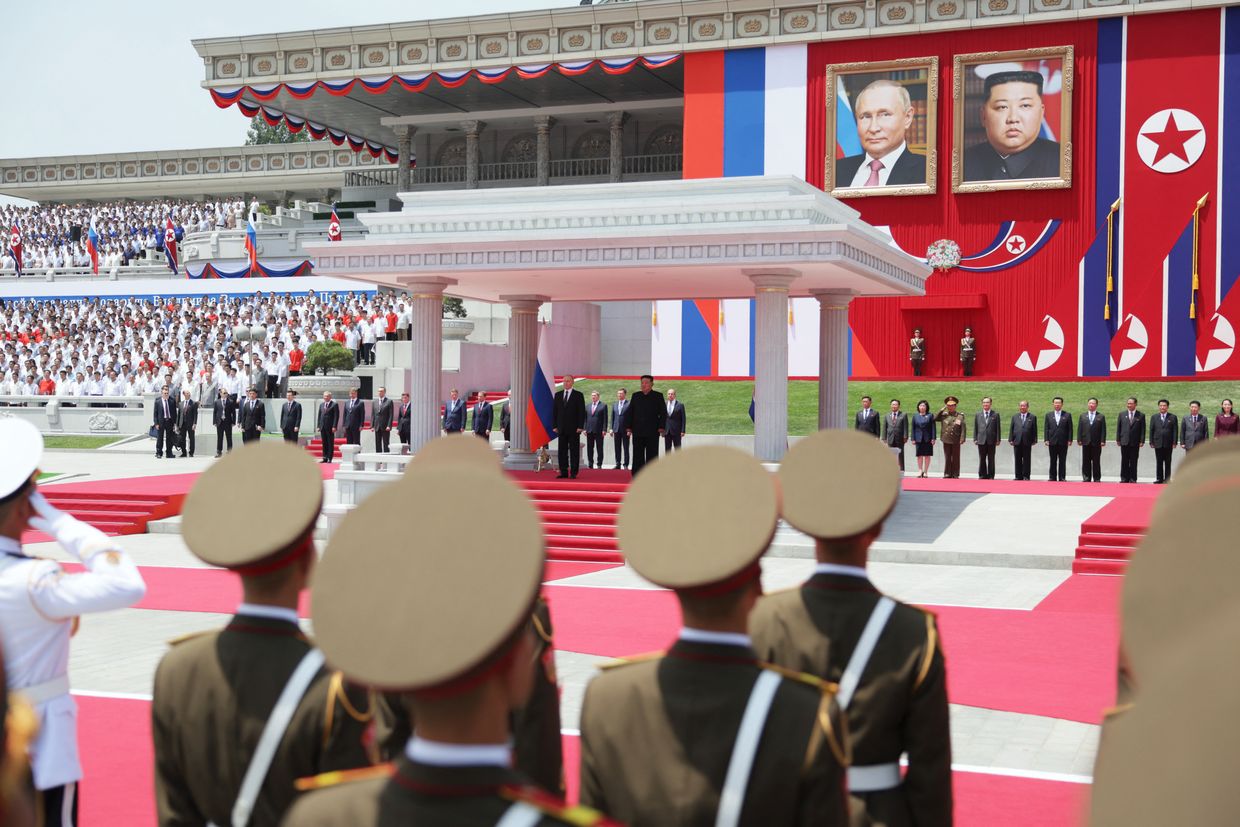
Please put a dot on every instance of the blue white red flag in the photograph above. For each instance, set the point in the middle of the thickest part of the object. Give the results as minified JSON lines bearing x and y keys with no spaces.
{"x":1100,"y":281}
{"x":333,"y":227}
{"x":15,"y":247}
{"x":92,"y":246}
{"x":251,"y":244}
{"x":1015,"y":242}
{"x":540,"y":410}
{"x":846,"y":141}
{"x":170,"y":245}
{"x":753,"y":402}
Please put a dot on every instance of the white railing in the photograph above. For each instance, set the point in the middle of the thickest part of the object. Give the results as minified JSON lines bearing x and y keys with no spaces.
{"x":151,"y":270}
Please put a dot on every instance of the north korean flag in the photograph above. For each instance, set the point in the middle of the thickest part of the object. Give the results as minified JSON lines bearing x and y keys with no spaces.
{"x":170,"y":245}
{"x":333,"y":228}
{"x":15,"y":248}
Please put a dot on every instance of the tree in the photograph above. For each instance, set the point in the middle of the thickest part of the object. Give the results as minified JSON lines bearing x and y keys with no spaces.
{"x":261,"y":132}
{"x":453,"y":308}
{"x":329,"y":355}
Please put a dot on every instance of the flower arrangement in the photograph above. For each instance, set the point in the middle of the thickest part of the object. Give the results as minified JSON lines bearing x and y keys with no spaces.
{"x":943,"y":254}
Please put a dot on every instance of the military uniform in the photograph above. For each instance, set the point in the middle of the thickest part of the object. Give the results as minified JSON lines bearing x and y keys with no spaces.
{"x":952,"y":433}
{"x":917,"y":353}
{"x":968,"y":354}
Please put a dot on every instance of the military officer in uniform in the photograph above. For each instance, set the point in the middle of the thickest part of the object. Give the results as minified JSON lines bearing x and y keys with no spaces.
{"x":883,"y":654}
{"x":462,"y":671}
{"x":241,"y":713}
{"x":39,"y":609}
{"x":917,"y":351}
{"x":968,"y":351}
{"x":706,"y":733}
{"x":952,"y":432}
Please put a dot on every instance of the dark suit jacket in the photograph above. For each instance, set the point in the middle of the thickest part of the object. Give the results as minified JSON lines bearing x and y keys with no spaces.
{"x":381,"y":413}
{"x":895,"y":433}
{"x":329,"y":416}
{"x":1026,"y":434}
{"x":910,"y":168}
{"x":620,"y":419}
{"x":569,"y":413}
{"x":676,"y":419}
{"x":187,"y":415}
{"x":1040,"y":160}
{"x":1130,"y":435}
{"x":867,"y":423}
{"x":505,"y":416}
{"x":647,"y":413}
{"x":1194,"y":432}
{"x":170,"y":420}
{"x":224,"y":413}
{"x":596,"y":420}
{"x":454,"y":419}
{"x":253,"y":416}
{"x":986,"y":430}
{"x":1095,"y":434}
{"x":484,"y":415}
{"x":1060,"y":434}
{"x":290,"y":416}
{"x":1164,"y":435}
{"x":403,"y":416}
{"x":354,"y":415}
{"x":923,"y":428}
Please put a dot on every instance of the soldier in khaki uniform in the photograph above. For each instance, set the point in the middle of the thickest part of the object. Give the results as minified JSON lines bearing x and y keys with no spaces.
{"x":917,"y":351}
{"x":968,"y":351}
{"x":239,"y":714}
{"x":453,"y":635}
{"x":706,"y":734}
{"x":952,"y":433}
{"x":839,"y":487}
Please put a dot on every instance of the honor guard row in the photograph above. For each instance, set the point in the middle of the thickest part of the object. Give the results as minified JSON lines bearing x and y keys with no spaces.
{"x":40,"y":608}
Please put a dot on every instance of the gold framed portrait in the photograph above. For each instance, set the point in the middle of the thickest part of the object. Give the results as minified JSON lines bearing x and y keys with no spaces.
{"x":1012,"y":120}
{"x":882,"y":127}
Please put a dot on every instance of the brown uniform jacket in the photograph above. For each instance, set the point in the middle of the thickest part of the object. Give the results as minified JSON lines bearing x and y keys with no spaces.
{"x":968,"y":349}
{"x":953,"y":430}
{"x":213,"y":694}
{"x":657,"y":735}
{"x":422,"y":794}
{"x":916,"y":350}
{"x":900,"y":704}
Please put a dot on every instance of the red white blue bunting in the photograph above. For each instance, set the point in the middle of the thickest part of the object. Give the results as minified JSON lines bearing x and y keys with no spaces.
{"x":275,"y":269}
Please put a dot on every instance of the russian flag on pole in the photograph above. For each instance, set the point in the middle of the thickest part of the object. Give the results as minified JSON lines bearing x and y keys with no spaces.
{"x":15,"y":247}
{"x":170,"y":244}
{"x":92,"y":246}
{"x":251,"y":244}
{"x":539,"y":415}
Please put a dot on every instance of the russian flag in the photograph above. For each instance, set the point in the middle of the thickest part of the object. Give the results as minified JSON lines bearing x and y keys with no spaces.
{"x":539,"y":415}
{"x":251,"y":244}
{"x":847,"y":142}
{"x":15,"y":247}
{"x":170,"y":244}
{"x":92,"y":246}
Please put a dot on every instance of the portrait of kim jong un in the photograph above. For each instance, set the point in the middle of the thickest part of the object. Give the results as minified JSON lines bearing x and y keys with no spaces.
{"x":1013,"y":120}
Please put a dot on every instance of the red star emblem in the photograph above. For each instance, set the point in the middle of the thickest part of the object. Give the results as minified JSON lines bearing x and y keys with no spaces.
{"x":1171,"y":140}
{"x":1123,"y":341}
{"x":1207,"y":340}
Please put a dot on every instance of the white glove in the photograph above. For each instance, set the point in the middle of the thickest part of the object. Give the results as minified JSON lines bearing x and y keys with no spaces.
{"x":78,"y":538}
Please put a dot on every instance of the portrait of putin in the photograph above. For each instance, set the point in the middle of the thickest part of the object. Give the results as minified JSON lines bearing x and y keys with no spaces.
{"x":1011,"y":114}
{"x":884,"y":115}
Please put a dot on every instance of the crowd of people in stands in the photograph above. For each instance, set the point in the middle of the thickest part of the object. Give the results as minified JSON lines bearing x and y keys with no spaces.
{"x":54,"y":235}
{"x":128,"y":347}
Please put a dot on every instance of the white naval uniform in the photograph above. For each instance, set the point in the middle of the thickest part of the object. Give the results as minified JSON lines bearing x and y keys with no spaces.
{"x":38,"y":603}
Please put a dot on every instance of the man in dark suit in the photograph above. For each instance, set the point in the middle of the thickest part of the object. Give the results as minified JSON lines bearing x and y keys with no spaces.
{"x":895,"y":431}
{"x":620,"y":429}
{"x":329,"y":417}
{"x":648,"y":420}
{"x":290,"y":417}
{"x":986,"y":438}
{"x":381,"y":411}
{"x":505,"y":417}
{"x":1022,"y":434}
{"x":867,"y":418}
{"x":253,"y":416}
{"x":884,"y":114}
{"x":165,"y":423}
{"x":1195,"y":430}
{"x":1058,"y":432}
{"x":1012,"y":115}
{"x":1164,"y":433}
{"x":1091,"y":433}
{"x":484,"y":416}
{"x":187,"y":423}
{"x":674,"y":429}
{"x":569,"y":417}
{"x":223,"y":417}
{"x":454,"y":414}
{"x":1129,"y":435}
{"x":596,"y":425}
{"x":403,"y":419}
{"x":354,"y":418}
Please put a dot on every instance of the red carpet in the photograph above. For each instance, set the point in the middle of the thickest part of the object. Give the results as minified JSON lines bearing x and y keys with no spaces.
{"x":1069,"y":488}
{"x":1109,"y":537}
{"x":114,"y":737}
{"x":1085,"y":595}
{"x":612,"y":622}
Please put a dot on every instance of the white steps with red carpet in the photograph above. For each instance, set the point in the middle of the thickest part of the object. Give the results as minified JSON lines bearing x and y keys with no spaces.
{"x":1106,"y":545}
{"x":115,"y":512}
{"x":579,"y":517}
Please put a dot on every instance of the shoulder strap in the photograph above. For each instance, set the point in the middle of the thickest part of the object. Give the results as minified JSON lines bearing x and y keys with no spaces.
{"x":732,"y":798}
{"x":865,"y":648}
{"x":520,"y":814}
{"x":273,"y":733}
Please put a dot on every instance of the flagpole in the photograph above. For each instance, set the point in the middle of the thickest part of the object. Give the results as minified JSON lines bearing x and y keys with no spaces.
{"x":1192,"y":301}
{"x":1106,"y":310}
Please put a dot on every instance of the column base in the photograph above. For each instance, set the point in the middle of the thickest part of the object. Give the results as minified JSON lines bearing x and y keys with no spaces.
{"x":516,"y":460}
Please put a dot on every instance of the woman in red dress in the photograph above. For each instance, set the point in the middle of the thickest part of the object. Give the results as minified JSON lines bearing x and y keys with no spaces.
{"x":1226,"y":423}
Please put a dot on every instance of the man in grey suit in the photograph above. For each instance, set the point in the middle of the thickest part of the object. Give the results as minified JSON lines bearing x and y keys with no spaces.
{"x":1129,"y":435}
{"x":1164,"y":433}
{"x":867,"y":418}
{"x":895,"y":431}
{"x":208,"y":389}
{"x":484,"y":416}
{"x":381,"y":411}
{"x":986,"y":438}
{"x":596,"y":425}
{"x":1195,"y":431}
{"x":620,"y":429}
{"x":1022,"y":434}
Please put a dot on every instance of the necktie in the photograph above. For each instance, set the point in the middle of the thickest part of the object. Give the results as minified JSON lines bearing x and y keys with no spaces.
{"x":874,"y":166}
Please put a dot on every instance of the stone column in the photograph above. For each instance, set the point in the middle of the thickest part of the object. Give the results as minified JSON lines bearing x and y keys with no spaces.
{"x":523,"y":332}
{"x":472,"y":128}
{"x":771,"y":363}
{"x":404,"y":150}
{"x":832,"y":357}
{"x":426,"y":300}
{"x":543,"y":124}
{"x":615,"y":122}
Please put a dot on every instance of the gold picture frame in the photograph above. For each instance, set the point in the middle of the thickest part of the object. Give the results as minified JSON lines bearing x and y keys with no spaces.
{"x":917,"y":171}
{"x":977,"y":165}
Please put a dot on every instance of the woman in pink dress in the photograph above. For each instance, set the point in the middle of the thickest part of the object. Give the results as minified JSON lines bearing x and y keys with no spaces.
{"x":1226,"y":423}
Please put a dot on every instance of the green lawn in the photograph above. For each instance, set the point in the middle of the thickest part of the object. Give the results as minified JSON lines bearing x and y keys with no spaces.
{"x":78,"y":441}
{"x":723,"y":407}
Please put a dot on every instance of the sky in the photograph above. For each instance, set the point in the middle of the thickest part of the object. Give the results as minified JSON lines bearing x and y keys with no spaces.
{"x":84,"y":76}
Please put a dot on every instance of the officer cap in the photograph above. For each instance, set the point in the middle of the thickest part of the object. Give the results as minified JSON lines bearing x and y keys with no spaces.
{"x":951,"y":399}
{"x":838,"y":483}
{"x":21,"y":445}
{"x":454,"y":451}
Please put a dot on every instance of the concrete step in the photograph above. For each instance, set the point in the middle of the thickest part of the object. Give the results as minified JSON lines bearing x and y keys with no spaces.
{"x":1112,"y":567}
{"x":1093,"y":552}
{"x":172,"y":525}
{"x":1092,"y":538}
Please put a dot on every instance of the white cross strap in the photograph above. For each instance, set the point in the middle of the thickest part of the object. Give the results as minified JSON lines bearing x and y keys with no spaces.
{"x":873,"y":778}
{"x":741,"y":764}
{"x":520,"y":814}
{"x":865,"y":648}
